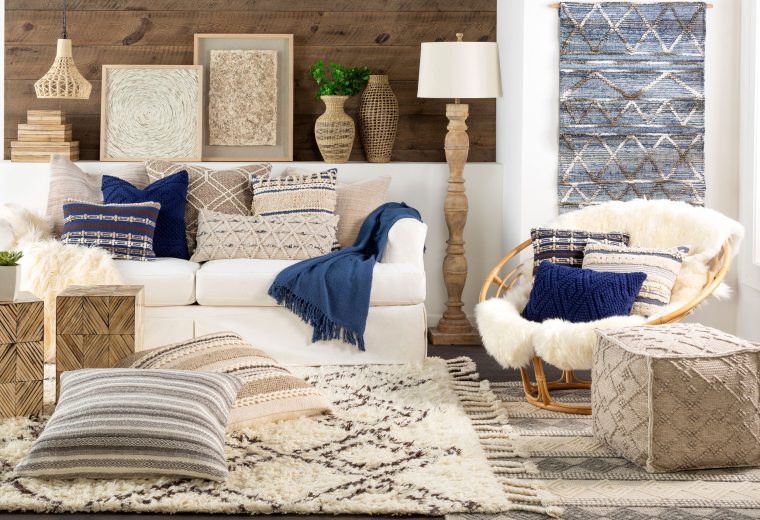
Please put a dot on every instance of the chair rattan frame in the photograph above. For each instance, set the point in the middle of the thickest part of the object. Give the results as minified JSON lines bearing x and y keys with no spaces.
{"x":538,"y":392}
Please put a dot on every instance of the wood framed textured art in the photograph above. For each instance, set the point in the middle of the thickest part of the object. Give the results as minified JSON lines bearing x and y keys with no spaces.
{"x":248,"y":96}
{"x":151,"y":111}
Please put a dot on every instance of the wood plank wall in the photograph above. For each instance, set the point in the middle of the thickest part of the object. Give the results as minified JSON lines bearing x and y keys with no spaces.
{"x":381,"y":34}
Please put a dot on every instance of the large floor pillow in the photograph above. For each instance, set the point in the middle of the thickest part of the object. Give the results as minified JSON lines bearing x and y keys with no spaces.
{"x":269,"y":393}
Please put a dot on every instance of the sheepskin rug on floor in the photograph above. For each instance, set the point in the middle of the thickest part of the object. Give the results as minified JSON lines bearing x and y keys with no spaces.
{"x":427,"y":439}
{"x":513,"y":341}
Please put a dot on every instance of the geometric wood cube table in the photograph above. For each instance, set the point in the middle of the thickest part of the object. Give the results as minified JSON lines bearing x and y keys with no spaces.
{"x":677,"y":397}
{"x":96,"y":326}
{"x":22,"y":332}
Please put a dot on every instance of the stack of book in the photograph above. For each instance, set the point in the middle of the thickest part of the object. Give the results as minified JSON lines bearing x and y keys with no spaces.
{"x":44,"y":133}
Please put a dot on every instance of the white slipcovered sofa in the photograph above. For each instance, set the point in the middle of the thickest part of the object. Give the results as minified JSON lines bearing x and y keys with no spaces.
{"x":185,"y":299}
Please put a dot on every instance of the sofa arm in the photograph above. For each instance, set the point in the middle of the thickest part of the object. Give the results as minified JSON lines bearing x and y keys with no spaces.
{"x":406,"y":243}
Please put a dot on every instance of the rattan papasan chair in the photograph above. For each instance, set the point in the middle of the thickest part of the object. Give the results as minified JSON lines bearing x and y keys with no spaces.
{"x":713,"y":239}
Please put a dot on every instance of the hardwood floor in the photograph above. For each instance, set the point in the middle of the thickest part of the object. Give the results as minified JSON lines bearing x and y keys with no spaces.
{"x":487,"y":368}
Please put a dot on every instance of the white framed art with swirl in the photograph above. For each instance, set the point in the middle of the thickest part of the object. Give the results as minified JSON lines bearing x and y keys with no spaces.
{"x":151,"y":111}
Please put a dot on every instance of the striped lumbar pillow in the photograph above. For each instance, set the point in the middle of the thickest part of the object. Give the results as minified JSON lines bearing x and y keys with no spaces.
{"x":128,"y":423}
{"x":295,"y":194}
{"x":565,"y":246}
{"x":269,"y":393}
{"x":660,"y":265}
{"x":125,"y":230}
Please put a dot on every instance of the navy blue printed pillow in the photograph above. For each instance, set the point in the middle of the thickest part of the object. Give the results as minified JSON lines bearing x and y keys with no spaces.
{"x":171,"y":192}
{"x":580,"y":295}
{"x":124,"y":230}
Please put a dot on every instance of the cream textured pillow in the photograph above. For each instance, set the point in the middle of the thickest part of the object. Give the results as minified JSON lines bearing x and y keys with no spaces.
{"x":282,"y":237}
{"x":226,"y":191}
{"x":355,"y":202}
{"x":269,"y":393}
{"x":68,"y":181}
{"x":128,"y":423}
{"x":295,"y":194}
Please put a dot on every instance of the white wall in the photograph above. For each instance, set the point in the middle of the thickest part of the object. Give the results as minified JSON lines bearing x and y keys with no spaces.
{"x":528,"y":30}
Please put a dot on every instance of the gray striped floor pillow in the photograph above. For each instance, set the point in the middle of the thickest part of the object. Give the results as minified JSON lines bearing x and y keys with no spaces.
{"x":565,"y":246}
{"x":129,"y":423}
{"x":269,"y":393}
{"x":660,"y":265}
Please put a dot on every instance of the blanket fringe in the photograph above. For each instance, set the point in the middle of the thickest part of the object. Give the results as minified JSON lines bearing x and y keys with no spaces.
{"x":324,"y":328}
{"x":490,"y":421}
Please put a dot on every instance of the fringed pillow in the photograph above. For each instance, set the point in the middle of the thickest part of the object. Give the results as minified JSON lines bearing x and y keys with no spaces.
{"x":565,"y":246}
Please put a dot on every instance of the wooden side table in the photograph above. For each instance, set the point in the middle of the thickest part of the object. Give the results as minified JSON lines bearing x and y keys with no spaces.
{"x":96,"y":326}
{"x":22,"y":333}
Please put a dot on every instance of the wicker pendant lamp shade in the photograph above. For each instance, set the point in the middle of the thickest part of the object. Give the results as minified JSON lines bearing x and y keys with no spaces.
{"x":63,"y":80}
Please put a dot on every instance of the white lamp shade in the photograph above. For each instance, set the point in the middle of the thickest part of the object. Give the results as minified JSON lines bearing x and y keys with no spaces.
{"x":459,"y":70}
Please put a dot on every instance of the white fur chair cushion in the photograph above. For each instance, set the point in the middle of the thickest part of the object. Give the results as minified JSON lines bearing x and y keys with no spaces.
{"x":513,"y":340}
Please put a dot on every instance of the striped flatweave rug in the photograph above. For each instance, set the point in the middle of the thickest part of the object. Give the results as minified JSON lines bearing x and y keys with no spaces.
{"x":586,"y":481}
{"x":632,"y":102}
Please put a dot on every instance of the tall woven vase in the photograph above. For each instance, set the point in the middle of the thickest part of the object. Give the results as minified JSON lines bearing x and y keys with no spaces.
{"x":378,"y":119}
{"x":335,"y":130}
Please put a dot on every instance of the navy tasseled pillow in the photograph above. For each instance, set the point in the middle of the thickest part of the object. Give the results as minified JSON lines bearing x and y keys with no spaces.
{"x":580,"y":295}
{"x":171,"y":192}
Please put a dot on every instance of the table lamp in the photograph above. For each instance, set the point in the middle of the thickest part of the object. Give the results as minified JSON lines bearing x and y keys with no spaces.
{"x":457,"y":70}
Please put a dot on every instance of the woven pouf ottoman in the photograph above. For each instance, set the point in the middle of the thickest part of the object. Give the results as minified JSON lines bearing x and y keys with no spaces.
{"x":677,"y":397}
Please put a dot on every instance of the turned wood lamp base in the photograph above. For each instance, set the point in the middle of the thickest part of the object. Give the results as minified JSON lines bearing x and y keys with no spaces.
{"x":469,"y":338}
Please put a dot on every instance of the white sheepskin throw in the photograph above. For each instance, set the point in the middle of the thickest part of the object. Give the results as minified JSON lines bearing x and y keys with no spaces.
{"x":49,"y":266}
{"x":513,"y":340}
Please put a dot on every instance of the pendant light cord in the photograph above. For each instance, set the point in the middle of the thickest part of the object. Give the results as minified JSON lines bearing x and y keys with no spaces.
{"x":65,"y":34}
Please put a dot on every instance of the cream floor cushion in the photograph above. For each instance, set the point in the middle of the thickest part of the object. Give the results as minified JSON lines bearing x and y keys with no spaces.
{"x":244,"y":282}
{"x":167,"y":281}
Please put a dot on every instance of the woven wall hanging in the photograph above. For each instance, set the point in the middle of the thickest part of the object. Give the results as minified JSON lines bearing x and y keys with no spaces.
{"x":632,"y":102}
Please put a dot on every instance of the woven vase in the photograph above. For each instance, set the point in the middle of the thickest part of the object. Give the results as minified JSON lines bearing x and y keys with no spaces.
{"x":378,"y":119}
{"x":335,"y":131}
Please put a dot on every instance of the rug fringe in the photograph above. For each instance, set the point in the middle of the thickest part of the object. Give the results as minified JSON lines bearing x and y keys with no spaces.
{"x":491,"y":422}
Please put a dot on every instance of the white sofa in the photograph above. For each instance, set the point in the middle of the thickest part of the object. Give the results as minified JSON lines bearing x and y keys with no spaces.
{"x":184,"y":299}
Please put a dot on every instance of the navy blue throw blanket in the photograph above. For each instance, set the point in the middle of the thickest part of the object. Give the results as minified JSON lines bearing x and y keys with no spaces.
{"x":331,"y":292}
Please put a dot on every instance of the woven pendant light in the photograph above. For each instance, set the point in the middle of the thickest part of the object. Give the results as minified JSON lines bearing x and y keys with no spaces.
{"x":63,"y":80}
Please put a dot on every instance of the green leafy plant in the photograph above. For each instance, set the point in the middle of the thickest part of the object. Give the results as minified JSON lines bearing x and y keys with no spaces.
{"x":10,"y":258}
{"x":337,"y":80}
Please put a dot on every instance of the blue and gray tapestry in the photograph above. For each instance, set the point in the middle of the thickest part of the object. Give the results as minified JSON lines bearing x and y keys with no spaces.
{"x":632,"y":102}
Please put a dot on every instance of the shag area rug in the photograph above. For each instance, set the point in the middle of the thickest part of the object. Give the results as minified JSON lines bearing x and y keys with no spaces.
{"x":427,"y":439}
{"x":587,"y":481}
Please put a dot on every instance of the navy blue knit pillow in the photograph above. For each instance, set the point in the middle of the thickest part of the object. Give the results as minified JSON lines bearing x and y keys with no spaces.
{"x":171,"y":193}
{"x":580,"y":295}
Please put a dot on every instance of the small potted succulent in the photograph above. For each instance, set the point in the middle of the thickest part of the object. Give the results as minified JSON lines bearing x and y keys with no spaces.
{"x":335,"y":130}
{"x":10,"y":275}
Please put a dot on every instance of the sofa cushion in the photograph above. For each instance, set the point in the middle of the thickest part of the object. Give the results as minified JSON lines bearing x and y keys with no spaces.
{"x":243,"y":282}
{"x":167,"y":281}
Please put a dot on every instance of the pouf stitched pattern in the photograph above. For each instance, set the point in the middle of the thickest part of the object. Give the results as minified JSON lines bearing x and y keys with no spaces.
{"x":677,"y":397}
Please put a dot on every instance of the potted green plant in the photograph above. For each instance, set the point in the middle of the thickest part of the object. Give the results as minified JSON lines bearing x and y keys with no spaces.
{"x":335,"y":130}
{"x":10,"y":275}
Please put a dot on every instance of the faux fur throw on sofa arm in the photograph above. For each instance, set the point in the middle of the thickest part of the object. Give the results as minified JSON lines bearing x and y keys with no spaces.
{"x":48,"y":266}
{"x":513,"y":340}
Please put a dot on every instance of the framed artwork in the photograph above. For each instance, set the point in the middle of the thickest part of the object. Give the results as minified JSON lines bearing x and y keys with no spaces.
{"x":151,"y":111}
{"x":247,"y":96}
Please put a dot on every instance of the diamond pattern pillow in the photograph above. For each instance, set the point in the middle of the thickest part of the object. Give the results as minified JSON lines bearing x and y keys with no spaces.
{"x":565,"y":246}
{"x":281,"y":237}
{"x":226,"y":191}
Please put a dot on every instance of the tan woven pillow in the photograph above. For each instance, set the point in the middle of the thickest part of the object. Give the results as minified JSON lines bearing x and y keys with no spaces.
{"x":68,"y":181}
{"x":269,"y":393}
{"x":226,"y":191}
{"x":355,"y":202}
{"x":280,"y":237}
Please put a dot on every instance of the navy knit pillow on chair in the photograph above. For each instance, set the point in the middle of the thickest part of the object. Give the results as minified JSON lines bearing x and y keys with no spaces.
{"x":171,"y":192}
{"x":580,"y":295}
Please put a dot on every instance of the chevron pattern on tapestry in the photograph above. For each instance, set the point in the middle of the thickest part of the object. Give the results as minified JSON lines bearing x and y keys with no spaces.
{"x":632,"y":102}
